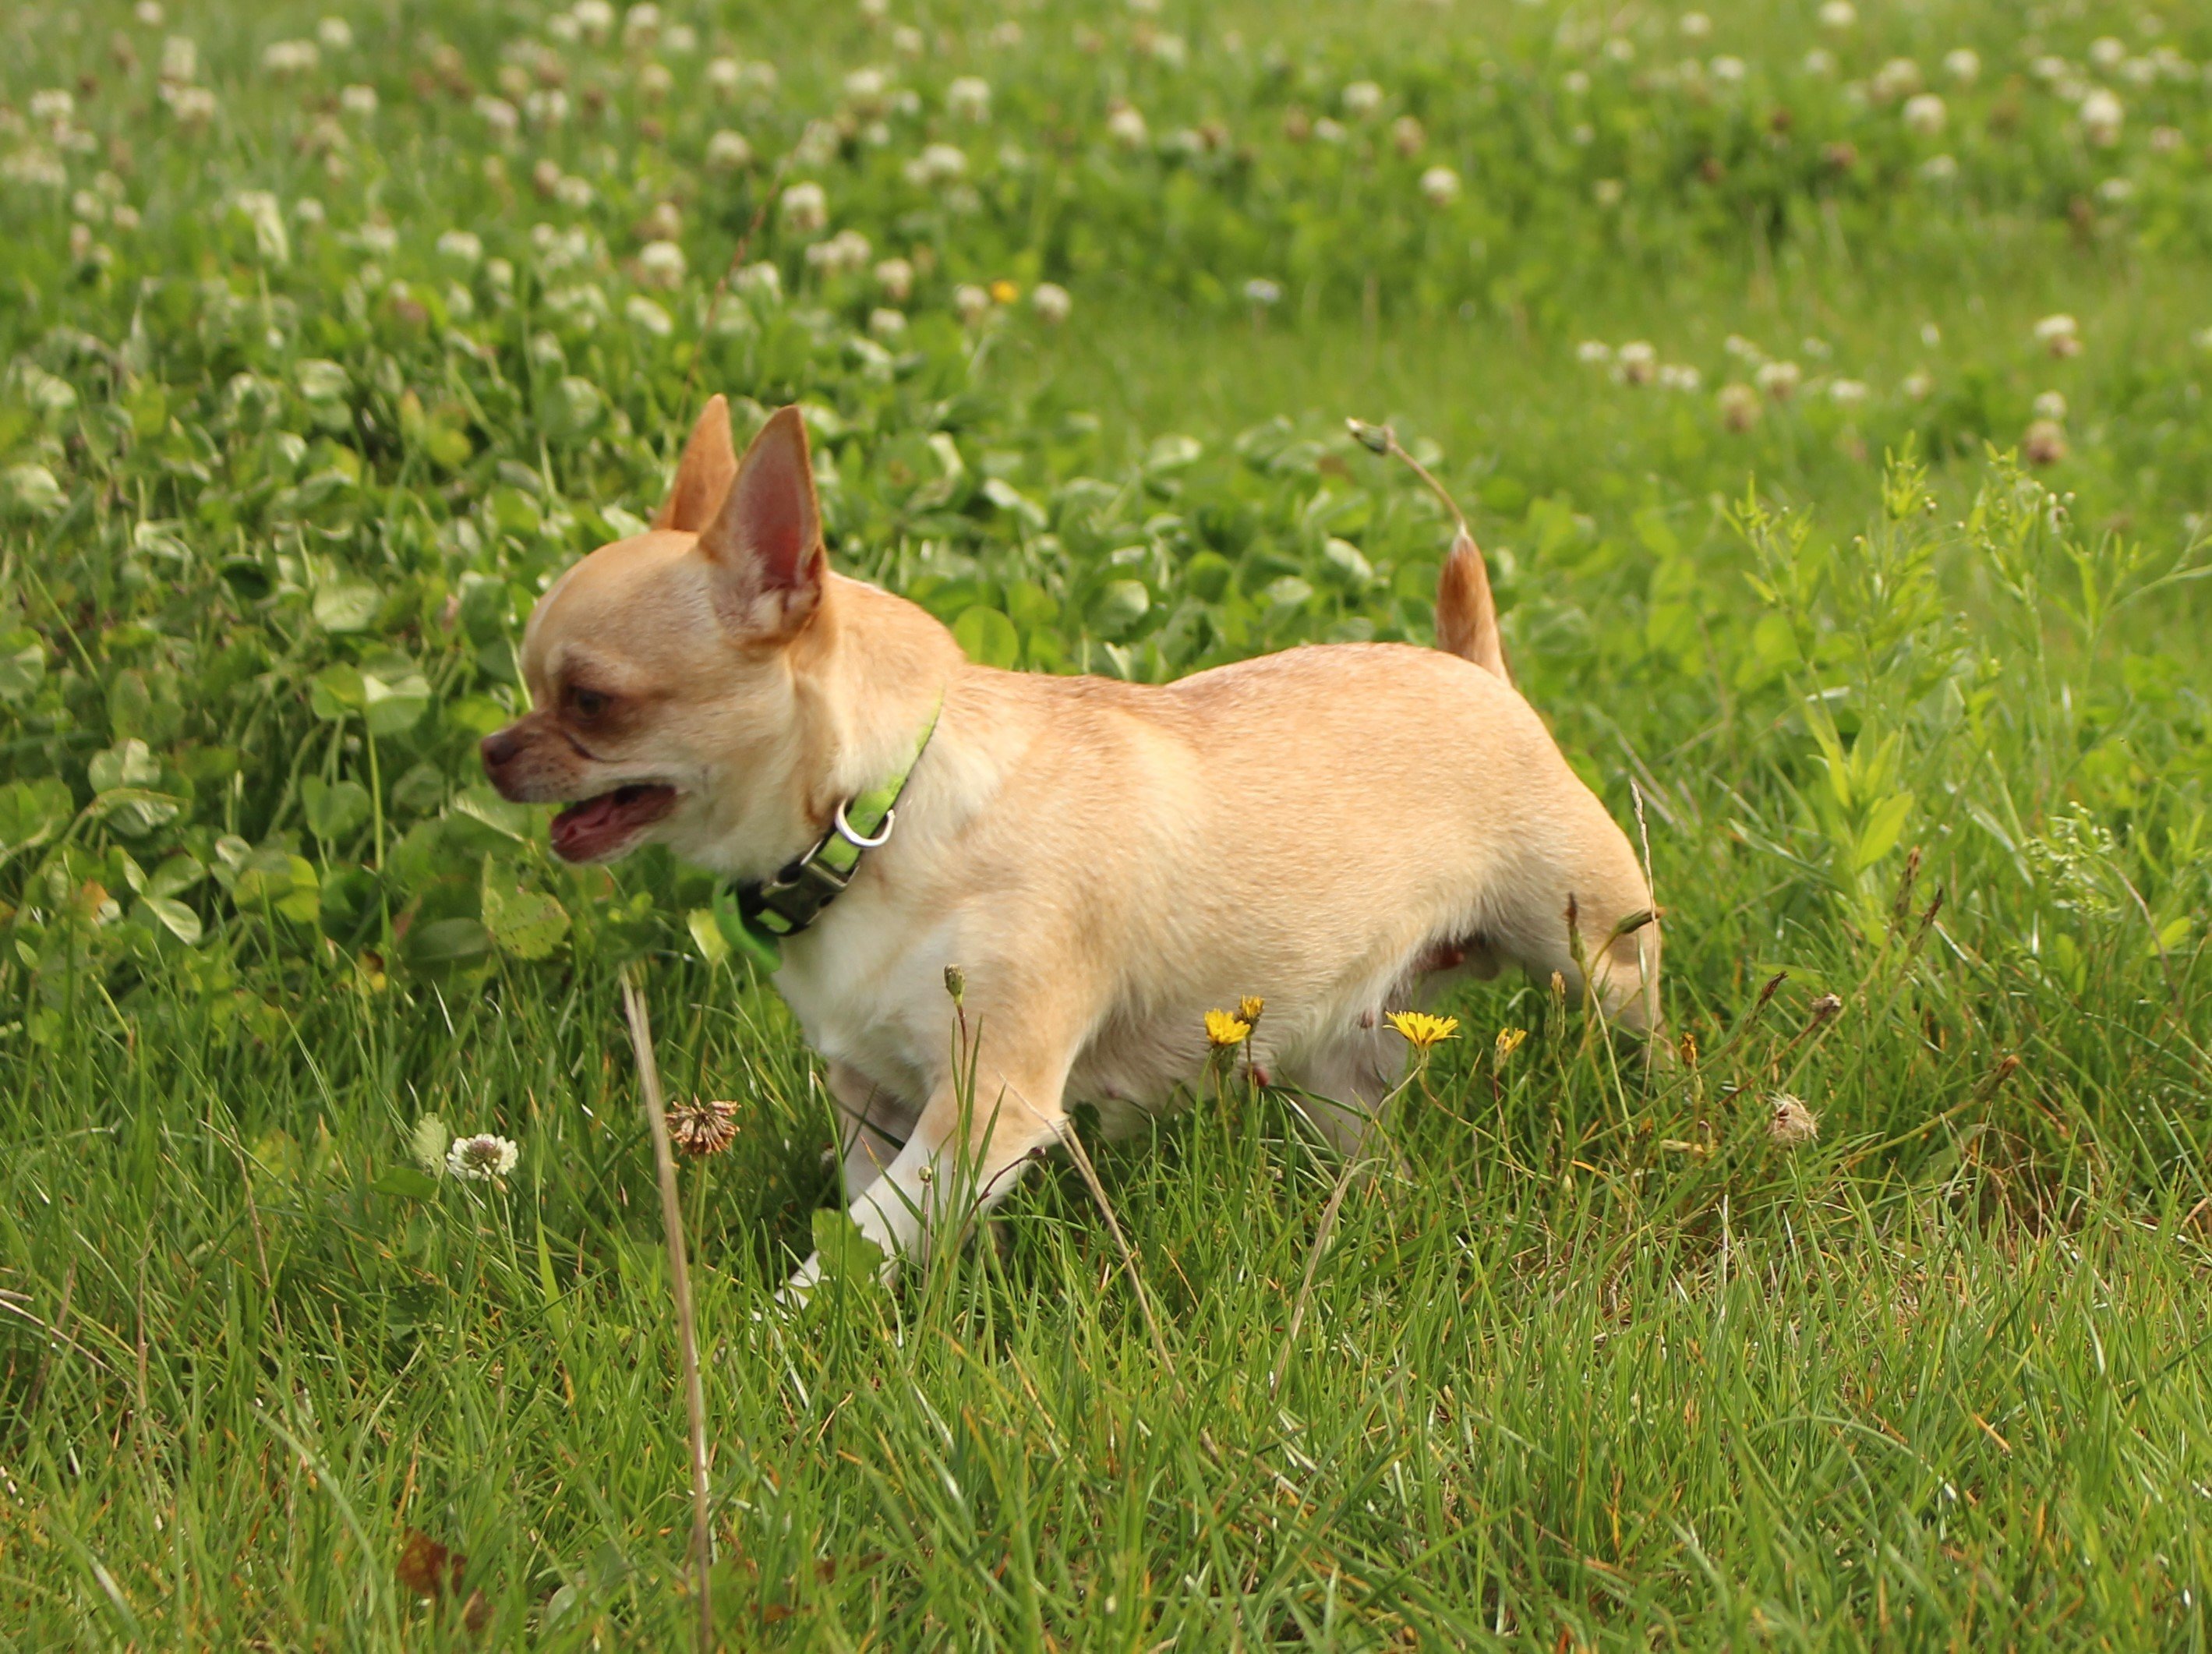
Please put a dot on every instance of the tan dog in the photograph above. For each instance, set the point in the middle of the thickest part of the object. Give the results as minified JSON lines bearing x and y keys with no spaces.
{"x":1332,"y":828}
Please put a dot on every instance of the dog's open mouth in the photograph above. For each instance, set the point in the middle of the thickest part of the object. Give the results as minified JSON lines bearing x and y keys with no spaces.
{"x":599,"y":829}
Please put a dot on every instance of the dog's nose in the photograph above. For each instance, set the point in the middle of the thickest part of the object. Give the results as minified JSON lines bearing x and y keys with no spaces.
{"x":499,"y":748}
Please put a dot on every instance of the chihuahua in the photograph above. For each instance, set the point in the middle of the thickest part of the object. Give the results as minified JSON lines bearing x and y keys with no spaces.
{"x":1335,"y":829}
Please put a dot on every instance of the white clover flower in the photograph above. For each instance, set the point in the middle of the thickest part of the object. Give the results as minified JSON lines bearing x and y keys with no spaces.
{"x":2165,"y":140}
{"x":887,"y":324}
{"x":1695,"y":26}
{"x":499,"y":115}
{"x":896,"y":277}
{"x":647,"y":317}
{"x":724,"y":77}
{"x":2113,"y":191}
{"x":462,"y":246}
{"x":2107,"y":51}
{"x":1636,"y":362}
{"x":1575,"y":83}
{"x":358,"y":100}
{"x":575,"y":192}
{"x":1728,"y":70}
{"x":729,"y":152}
{"x":1924,"y":115}
{"x":1779,"y":379}
{"x":655,"y":81}
{"x":52,"y":107}
{"x":1262,"y":292}
{"x":762,"y":281}
{"x":681,"y":41}
{"x":805,"y":209}
{"x":1126,"y":126}
{"x":150,"y":13}
{"x":842,"y":253}
{"x":2049,"y":67}
{"x":1679,"y":376}
{"x":1608,"y":191}
{"x":1963,"y":65}
{"x":287,"y":58}
{"x":969,"y":99}
{"x":1895,"y":79}
{"x":1820,"y":62}
{"x":660,"y":264}
{"x":595,"y":18}
{"x":1439,"y":187}
{"x":1847,"y":392}
{"x":1329,"y":130}
{"x":309,"y":212}
{"x":907,"y":40}
{"x":1939,"y":169}
{"x":335,"y":34}
{"x":180,"y":58}
{"x":971,"y":303}
{"x":1919,"y":385}
{"x":2055,"y":327}
{"x":1051,"y":302}
{"x":1594,"y":353}
{"x":938,"y":163}
{"x":641,"y":25}
{"x":2051,"y":405}
{"x":1839,"y":14}
{"x":547,"y":107}
{"x":2101,"y":114}
{"x":1362,"y":99}
{"x":482,"y":1158}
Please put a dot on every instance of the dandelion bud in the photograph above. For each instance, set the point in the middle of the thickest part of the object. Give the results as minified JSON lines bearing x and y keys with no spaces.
{"x":956,"y":983}
{"x":1376,"y":439}
{"x":1509,"y":1041}
{"x":1249,"y":1008}
{"x":1823,"y":1009}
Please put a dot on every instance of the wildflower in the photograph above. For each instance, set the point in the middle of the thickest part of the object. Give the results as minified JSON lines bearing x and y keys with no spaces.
{"x":896,"y":277}
{"x":2115,"y":191}
{"x":1847,"y":392}
{"x":596,"y":18}
{"x":956,"y":983}
{"x":573,"y":192}
{"x":2165,"y":140}
{"x":1730,"y":71}
{"x":53,"y":107}
{"x":1637,"y":362}
{"x":180,"y":59}
{"x":1575,"y":83}
{"x":1792,"y":1122}
{"x":969,"y":99}
{"x":336,"y":34}
{"x":1594,"y":353}
{"x":641,"y":24}
{"x":1509,"y":1041}
{"x":358,"y":99}
{"x":547,"y":107}
{"x":1051,"y":302}
{"x":1262,"y":292}
{"x":1779,"y":379}
{"x":1897,"y":78}
{"x":2106,"y":50}
{"x":907,"y":40}
{"x":649,"y":317}
{"x":729,"y":152}
{"x":938,"y":163}
{"x":476,"y":1159}
{"x":1695,"y":26}
{"x":724,"y":76}
{"x":2045,"y":444}
{"x":1820,"y":62}
{"x":1408,"y":135}
{"x":287,"y":58}
{"x":461,"y":245}
{"x":1250,"y":1008}
{"x":1362,"y":99}
{"x":1004,"y":291}
{"x":1919,"y":385}
{"x":2059,"y":335}
{"x":1964,"y":65}
{"x":806,"y":208}
{"x":1839,"y":14}
{"x":656,"y":81}
{"x":2102,"y":116}
{"x":1939,"y":169}
{"x":1225,"y":1029}
{"x":1421,"y":1030}
{"x":660,"y":264}
{"x":1924,"y":115}
{"x":841,"y":255}
{"x":1608,"y":191}
{"x":1439,"y":187}
{"x":887,"y":324}
{"x":149,"y":12}
{"x":1126,"y":126}
{"x":701,"y":1127}
{"x":499,"y":115}
{"x":1675,"y":376}
{"x":1739,"y":406}
{"x":971,"y":303}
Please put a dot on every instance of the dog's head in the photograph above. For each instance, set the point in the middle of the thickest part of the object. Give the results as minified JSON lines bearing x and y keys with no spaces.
{"x":665,"y":669}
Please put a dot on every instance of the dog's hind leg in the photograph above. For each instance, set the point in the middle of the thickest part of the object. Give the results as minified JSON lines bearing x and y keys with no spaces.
{"x":872,"y":1126}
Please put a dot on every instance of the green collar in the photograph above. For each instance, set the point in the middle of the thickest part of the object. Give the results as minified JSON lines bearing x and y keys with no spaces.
{"x":765,"y":911}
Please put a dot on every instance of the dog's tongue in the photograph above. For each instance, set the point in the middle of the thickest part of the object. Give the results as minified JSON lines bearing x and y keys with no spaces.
{"x":603,"y":826}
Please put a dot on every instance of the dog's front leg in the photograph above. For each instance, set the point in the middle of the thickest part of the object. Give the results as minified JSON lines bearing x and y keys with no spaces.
{"x":963,"y":1157}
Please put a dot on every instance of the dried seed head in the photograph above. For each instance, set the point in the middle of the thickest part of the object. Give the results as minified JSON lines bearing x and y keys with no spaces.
{"x":1792,"y":1122}
{"x":1768,"y":992}
{"x":1823,"y":1008}
{"x":701,"y":1127}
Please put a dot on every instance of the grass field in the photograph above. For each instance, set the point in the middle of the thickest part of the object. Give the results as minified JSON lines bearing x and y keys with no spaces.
{"x":1827,"y":388}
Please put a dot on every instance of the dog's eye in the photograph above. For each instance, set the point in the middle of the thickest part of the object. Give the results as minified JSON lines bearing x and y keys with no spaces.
{"x":587,"y":703}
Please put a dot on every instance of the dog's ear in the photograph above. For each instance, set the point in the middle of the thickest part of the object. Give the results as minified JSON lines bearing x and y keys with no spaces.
{"x":766,"y":540}
{"x":703,"y":475}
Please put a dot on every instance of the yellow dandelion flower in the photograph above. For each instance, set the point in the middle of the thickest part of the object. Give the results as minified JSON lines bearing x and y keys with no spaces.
{"x":1223,"y":1029}
{"x":1249,"y":1008}
{"x":1004,"y":291}
{"x":1421,"y":1030}
{"x":1509,"y":1041}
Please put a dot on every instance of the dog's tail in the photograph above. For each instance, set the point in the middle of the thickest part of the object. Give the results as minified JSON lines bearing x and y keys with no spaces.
{"x":1467,"y":618}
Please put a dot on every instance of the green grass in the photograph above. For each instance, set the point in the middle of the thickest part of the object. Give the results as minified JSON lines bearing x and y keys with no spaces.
{"x":1593,"y":1360}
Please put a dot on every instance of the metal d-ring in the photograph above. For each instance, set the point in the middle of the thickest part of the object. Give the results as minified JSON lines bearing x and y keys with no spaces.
{"x":844,"y":830}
